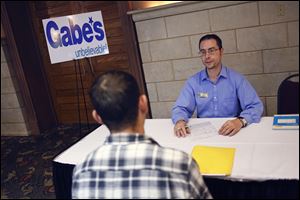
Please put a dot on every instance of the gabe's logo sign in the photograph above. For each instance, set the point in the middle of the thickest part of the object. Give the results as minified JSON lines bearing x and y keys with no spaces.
{"x":75,"y":36}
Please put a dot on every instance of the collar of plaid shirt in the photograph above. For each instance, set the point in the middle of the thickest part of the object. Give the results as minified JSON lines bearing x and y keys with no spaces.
{"x":128,"y":138}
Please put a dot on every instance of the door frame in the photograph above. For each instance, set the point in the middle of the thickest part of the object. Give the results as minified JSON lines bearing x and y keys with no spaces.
{"x":26,"y":64}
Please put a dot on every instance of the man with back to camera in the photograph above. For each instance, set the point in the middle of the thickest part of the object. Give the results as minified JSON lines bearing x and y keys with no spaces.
{"x":216,"y":91}
{"x":129,"y":164}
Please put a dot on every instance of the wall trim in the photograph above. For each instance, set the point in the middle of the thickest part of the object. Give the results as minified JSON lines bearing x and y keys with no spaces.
{"x":179,"y":8}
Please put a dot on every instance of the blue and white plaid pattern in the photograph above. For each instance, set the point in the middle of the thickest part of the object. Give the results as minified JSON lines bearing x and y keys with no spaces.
{"x":135,"y":166}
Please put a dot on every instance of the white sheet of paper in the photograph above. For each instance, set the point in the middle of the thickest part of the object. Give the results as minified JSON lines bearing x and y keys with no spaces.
{"x":202,"y":130}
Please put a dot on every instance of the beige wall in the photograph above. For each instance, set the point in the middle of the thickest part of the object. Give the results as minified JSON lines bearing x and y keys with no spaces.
{"x":12,"y":119}
{"x":260,"y":40}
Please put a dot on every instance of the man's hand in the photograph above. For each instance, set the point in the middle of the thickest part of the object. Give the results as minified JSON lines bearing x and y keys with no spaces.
{"x":231,"y":127}
{"x":181,"y":129}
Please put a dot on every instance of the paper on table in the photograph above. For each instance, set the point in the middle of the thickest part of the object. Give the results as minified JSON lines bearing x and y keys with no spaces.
{"x":202,"y":130}
{"x":214,"y":160}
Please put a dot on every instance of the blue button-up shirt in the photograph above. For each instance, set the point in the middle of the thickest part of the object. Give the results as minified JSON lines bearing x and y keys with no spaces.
{"x":230,"y":96}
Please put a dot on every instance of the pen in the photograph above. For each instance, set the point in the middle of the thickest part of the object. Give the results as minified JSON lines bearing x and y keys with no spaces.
{"x":214,"y":175}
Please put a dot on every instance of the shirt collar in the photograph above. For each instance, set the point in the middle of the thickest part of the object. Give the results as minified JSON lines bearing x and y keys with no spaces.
{"x":224,"y":73}
{"x":126,"y":138}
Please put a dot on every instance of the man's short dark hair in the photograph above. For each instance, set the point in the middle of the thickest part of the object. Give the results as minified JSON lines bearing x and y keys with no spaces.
{"x":212,"y":36}
{"x":115,"y":97}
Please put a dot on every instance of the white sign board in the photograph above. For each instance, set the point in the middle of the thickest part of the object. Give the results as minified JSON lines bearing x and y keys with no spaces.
{"x":75,"y":36}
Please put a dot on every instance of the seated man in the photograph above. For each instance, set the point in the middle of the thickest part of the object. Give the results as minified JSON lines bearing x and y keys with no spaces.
{"x":216,"y":91}
{"x":130,"y":164}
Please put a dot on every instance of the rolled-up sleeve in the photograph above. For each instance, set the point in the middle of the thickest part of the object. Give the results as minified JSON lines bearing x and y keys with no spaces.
{"x":251,"y":105}
{"x":185,"y":104}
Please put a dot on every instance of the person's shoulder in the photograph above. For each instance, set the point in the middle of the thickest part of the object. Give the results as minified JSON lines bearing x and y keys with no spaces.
{"x":232,"y":73}
{"x":199,"y":73}
{"x":92,"y":156}
{"x":172,"y":153}
{"x":197,"y":76}
{"x":167,"y":153}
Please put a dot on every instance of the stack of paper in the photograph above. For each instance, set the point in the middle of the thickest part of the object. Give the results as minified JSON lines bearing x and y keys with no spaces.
{"x":214,"y":161}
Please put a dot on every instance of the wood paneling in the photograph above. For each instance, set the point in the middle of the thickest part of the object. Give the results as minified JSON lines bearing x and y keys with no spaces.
{"x":2,"y":32}
{"x":62,"y":76}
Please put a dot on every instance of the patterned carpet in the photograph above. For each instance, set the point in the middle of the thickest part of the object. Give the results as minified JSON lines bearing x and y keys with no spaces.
{"x":26,"y":162}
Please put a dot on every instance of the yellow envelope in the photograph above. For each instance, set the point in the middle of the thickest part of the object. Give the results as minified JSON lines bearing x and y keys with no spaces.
{"x":214,"y":160}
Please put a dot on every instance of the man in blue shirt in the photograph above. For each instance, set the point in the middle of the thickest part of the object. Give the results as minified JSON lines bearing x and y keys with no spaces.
{"x":216,"y":91}
{"x":130,"y":165}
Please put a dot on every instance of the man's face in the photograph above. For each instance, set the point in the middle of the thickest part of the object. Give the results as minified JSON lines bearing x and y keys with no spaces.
{"x":210,"y":54}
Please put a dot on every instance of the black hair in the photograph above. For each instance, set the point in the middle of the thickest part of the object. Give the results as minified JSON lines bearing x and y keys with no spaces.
{"x":115,"y":97}
{"x":211,"y":36}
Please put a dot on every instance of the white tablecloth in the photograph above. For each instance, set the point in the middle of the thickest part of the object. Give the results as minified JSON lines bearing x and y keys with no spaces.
{"x":261,"y":153}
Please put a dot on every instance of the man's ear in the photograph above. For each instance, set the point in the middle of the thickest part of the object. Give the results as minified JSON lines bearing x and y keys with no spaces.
{"x":97,"y":117}
{"x":222,"y":51}
{"x":143,"y":103}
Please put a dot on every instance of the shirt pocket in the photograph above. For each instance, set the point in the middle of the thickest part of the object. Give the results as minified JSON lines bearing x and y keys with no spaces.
{"x":230,"y":106}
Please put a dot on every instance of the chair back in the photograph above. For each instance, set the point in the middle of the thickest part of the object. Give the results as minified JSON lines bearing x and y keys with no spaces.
{"x":288,"y":96}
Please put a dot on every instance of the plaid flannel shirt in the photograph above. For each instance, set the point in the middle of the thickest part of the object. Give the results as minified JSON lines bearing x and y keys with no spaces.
{"x":135,"y":166}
